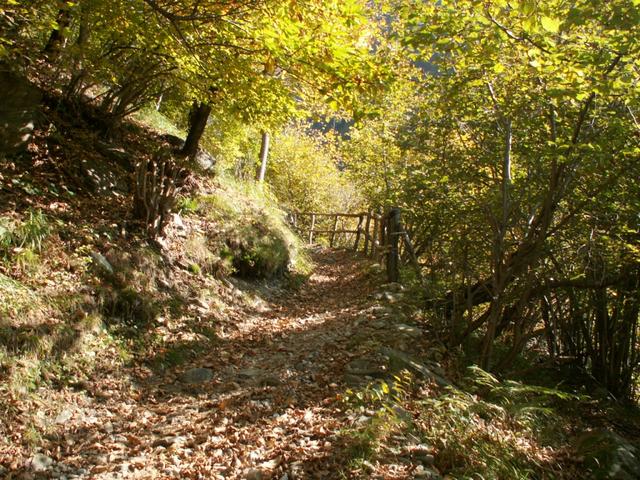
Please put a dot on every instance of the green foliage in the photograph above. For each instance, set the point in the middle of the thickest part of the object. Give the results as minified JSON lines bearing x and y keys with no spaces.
{"x":151,"y":117}
{"x":487,"y":428}
{"x":474,"y":428}
{"x":260,"y":64}
{"x":17,"y":300}
{"x":187,"y":205}
{"x":608,"y":455}
{"x":206,"y":258}
{"x":304,"y":175}
{"x":251,"y":237}
{"x":367,"y":440}
{"x":374,"y":159}
{"x":32,"y":436}
{"x":261,"y":255}
{"x":513,"y":155}
{"x":382,"y":395}
{"x":27,"y":261}
{"x":527,"y":405}
{"x":381,"y":403}
{"x":29,"y":234}
{"x":235,"y":145}
{"x":39,"y":339}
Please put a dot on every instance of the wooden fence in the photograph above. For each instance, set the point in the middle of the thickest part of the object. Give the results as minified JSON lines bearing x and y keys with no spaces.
{"x":379,"y":236}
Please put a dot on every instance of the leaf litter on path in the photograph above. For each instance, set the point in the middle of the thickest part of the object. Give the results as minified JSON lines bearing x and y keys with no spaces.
{"x":261,"y":401}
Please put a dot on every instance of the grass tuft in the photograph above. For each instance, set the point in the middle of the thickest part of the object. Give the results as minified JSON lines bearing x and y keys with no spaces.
{"x":152,"y":118}
{"x":28,"y":234}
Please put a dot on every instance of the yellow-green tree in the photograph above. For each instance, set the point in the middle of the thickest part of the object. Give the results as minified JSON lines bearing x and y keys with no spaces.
{"x":304,"y":175}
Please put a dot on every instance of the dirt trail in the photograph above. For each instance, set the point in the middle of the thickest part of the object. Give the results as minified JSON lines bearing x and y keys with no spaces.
{"x":263,"y":402}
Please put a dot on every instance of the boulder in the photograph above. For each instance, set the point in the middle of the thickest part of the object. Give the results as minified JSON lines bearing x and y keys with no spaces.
{"x":408,"y":330}
{"x":250,"y":374}
{"x":361,"y":371}
{"x":393,"y":287}
{"x":426,"y":473}
{"x":197,"y":375}
{"x":399,"y":361}
{"x":365,"y":367}
{"x":40,"y":462}
{"x":608,"y":456}
{"x":64,"y":416}
{"x":178,"y":223}
{"x":102,"y":263}
{"x":205,"y":160}
{"x":20,"y":113}
{"x":116,"y":154}
{"x":254,"y":474}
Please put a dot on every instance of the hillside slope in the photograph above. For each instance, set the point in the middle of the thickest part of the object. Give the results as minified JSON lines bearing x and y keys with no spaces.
{"x":84,"y":297}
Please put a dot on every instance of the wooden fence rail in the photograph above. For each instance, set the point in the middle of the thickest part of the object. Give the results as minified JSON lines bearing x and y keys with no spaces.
{"x":382,"y":235}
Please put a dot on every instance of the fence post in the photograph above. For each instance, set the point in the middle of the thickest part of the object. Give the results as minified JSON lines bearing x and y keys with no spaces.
{"x":313,"y":224}
{"x":333,"y":234}
{"x":367,"y":237}
{"x":374,"y":239}
{"x":393,"y":237}
{"x":358,"y":233}
{"x":384,"y":240}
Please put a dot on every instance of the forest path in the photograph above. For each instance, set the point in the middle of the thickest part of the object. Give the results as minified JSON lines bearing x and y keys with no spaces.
{"x":262,"y":401}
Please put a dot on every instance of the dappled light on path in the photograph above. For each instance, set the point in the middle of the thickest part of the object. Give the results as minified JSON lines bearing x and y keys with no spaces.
{"x":261,"y":401}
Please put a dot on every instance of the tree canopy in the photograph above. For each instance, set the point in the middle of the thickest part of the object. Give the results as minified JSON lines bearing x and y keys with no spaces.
{"x":510,"y":161}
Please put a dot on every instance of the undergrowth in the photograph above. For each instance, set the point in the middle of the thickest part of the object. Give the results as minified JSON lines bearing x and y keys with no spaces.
{"x":252,"y":238}
{"x":157,"y":121}
{"x":486,"y":429}
{"x":29,"y":233}
{"x":379,"y":413}
{"x":496,"y":429}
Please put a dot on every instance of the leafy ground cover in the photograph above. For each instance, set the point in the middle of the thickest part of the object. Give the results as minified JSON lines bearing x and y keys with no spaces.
{"x":255,"y":387}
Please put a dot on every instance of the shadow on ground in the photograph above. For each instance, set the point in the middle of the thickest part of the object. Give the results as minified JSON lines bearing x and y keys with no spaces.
{"x":269,"y":403}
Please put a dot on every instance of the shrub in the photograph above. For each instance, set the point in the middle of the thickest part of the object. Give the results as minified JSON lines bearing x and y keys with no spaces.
{"x":261,"y":256}
{"x":303,"y":173}
{"x":127,"y":307}
{"x":475,"y":429}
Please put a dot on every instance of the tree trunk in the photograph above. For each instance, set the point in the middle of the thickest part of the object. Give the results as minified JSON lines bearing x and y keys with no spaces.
{"x":78,"y":74}
{"x":83,"y":37}
{"x":56,"y":39}
{"x":499,"y":280}
{"x":198,"y":118}
{"x":264,"y":155}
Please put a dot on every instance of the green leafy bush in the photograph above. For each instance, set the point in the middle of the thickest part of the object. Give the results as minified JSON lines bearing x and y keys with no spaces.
{"x":486,"y":428}
{"x":303,"y":172}
{"x":21,"y":240}
{"x":381,"y":404}
{"x":29,"y":233}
